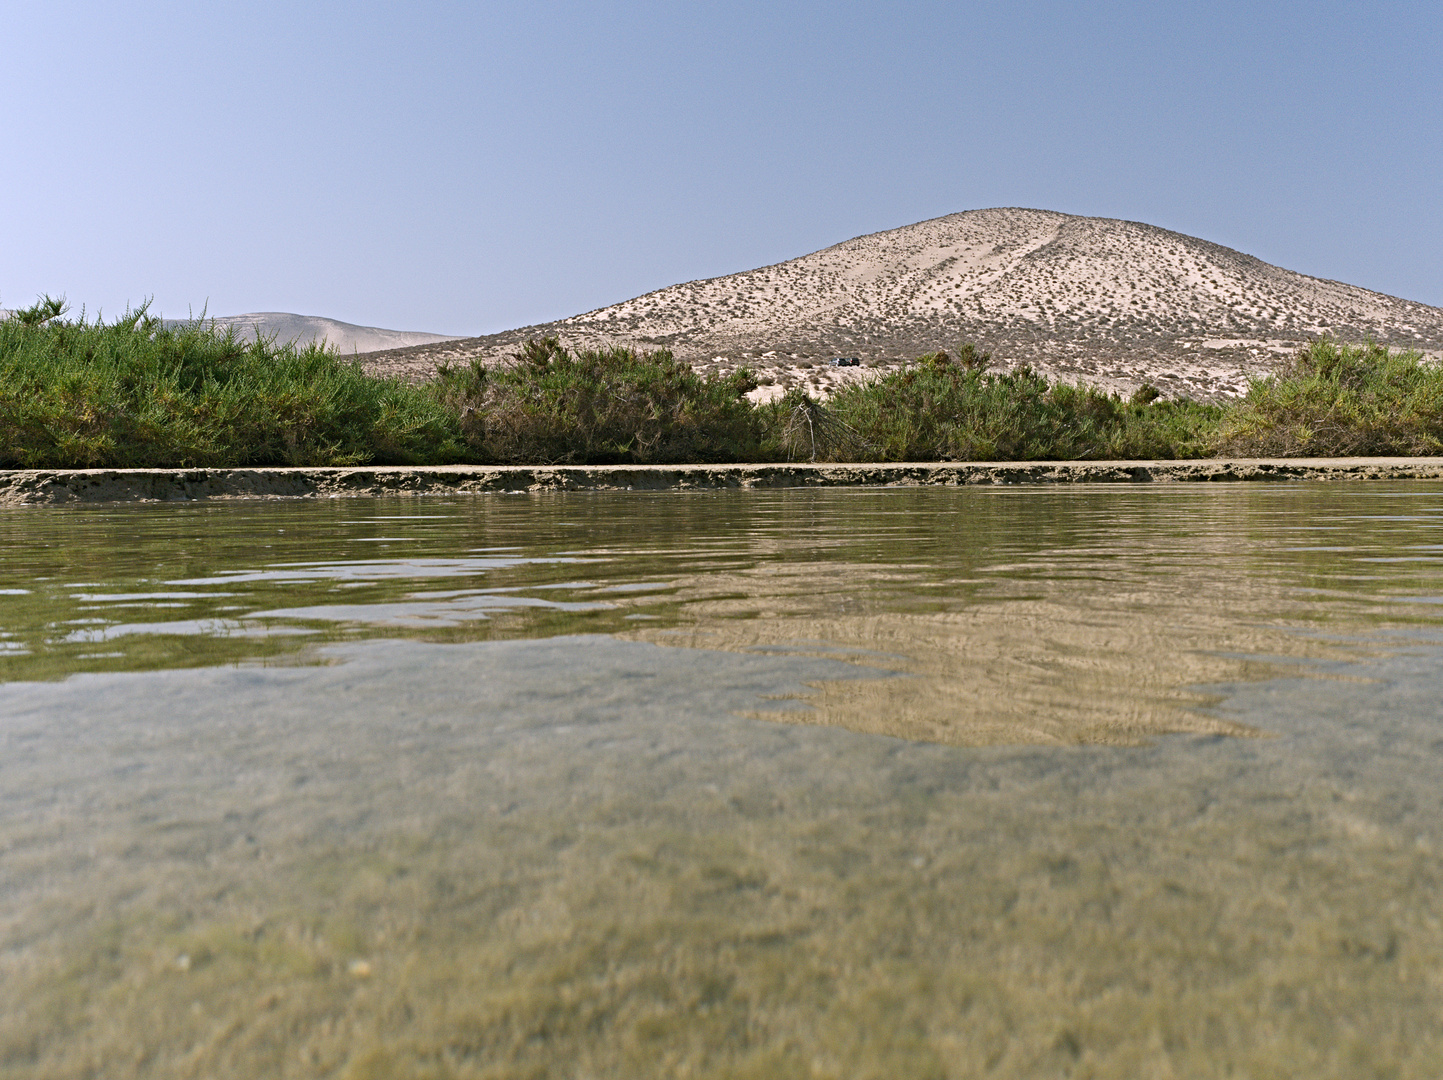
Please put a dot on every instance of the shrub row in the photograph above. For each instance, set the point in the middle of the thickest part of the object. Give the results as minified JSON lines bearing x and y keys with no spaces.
{"x":136,"y":393}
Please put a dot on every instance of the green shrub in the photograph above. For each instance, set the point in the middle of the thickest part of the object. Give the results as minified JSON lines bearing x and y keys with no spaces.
{"x":135,"y":393}
{"x":937,"y":410}
{"x":1336,"y":400}
{"x":600,"y":406}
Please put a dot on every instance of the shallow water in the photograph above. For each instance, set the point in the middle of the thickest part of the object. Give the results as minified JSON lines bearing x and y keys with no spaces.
{"x":1019,"y":782}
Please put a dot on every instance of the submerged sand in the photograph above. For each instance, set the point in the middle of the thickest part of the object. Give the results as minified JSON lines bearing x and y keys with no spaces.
{"x":629,"y":786}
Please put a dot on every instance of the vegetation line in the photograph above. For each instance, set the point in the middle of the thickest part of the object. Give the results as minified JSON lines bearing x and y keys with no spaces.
{"x":135,"y":393}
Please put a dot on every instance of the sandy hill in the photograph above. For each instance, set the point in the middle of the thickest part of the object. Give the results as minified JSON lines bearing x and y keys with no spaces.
{"x":345,"y":337}
{"x":1114,"y":303}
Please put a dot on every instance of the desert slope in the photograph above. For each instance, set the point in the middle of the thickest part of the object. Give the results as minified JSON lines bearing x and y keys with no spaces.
{"x":1110,"y":302}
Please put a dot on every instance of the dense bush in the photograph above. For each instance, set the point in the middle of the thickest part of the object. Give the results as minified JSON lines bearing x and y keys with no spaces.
{"x":938,"y":410}
{"x":600,"y":406}
{"x":1335,"y":400}
{"x":136,"y":393}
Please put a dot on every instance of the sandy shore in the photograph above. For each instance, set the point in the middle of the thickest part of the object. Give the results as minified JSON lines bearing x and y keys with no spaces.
{"x":27,"y":487}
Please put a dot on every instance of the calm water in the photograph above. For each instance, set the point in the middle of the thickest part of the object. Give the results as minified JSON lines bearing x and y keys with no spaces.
{"x":1102,"y":782}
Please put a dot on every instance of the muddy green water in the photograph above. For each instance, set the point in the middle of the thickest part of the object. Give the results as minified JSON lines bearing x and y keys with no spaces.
{"x":1100,"y":782}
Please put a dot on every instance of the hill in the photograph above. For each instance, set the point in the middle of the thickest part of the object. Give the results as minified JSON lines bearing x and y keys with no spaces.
{"x":1108,"y":302}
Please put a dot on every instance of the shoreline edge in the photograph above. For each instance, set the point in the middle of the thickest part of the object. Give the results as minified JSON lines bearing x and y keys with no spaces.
{"x":47,"y":487}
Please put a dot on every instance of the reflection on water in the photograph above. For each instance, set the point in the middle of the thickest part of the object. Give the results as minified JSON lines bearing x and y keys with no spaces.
{"x":611,"y":785}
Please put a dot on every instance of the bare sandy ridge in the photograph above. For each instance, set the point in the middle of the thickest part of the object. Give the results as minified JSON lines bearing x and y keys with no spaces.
{"x":346,"y":338}
{"x":1107,"y":302}
{"x":39,"y":487}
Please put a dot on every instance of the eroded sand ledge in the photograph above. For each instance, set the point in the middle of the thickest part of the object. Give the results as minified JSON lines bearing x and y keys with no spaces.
{"x":26,"y":487}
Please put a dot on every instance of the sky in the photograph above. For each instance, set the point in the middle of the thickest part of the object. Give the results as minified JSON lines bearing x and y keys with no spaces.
{"x":466,"y":168}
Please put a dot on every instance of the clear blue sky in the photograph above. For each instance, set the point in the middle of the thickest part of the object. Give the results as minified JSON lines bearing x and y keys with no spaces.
{"x":468,"y":168}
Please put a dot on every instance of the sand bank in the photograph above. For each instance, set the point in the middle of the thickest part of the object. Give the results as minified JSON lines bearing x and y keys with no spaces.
{"x":22,"y":487}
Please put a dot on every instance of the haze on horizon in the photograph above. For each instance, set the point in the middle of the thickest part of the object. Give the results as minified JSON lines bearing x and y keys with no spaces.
{"x":459,"y":170}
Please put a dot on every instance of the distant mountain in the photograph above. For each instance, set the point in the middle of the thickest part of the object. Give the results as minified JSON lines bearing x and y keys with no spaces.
{"x":1112,"y":303}
{"x":345,"y":337}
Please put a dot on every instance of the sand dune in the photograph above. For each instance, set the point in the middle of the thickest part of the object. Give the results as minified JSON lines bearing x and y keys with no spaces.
{"x":285,"y":327}
{"x":345,"y":337}
{"x":1112,"y":303}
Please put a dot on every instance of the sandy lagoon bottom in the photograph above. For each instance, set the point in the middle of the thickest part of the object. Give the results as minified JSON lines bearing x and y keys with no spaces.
{"x":1104,"y":783}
